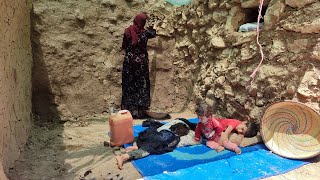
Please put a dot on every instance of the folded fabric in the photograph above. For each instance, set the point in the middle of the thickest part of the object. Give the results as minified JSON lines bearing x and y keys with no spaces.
{"x":249,"y":27}
{"x":187,"y":140}
{"x":155,"y":142}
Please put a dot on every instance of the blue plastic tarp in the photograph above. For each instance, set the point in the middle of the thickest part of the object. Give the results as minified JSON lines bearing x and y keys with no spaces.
{"x":201,"y":162}
{"x":179,"y":2}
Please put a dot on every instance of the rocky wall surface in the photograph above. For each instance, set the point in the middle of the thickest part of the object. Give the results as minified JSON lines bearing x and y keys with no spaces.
{"x":15,"y":79}
{"x":198,"y":55}
{"x":207,"y":33}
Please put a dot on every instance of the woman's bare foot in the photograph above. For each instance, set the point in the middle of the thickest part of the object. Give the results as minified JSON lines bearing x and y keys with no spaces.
{"x":131,"y":148}
{"x":121,"y":159}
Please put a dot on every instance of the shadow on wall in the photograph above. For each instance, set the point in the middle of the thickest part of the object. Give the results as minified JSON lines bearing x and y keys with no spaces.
{"x":43,"y":104}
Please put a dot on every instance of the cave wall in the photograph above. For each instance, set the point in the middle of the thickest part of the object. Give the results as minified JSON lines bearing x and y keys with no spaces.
{"x":15,"y":80}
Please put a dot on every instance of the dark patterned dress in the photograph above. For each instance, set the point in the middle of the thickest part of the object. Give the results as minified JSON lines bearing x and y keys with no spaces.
{"x":135,"y":74}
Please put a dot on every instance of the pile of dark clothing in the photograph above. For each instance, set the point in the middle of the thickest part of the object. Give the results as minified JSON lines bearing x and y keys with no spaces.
{"x":166,"y":140}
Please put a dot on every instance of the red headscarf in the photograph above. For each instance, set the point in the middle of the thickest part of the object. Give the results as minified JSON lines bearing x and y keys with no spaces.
{"x":137,"y":27}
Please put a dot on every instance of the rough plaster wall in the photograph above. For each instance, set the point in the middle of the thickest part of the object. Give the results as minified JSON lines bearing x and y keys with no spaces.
{"x":77,"y":62}
{"x":15,"y":79}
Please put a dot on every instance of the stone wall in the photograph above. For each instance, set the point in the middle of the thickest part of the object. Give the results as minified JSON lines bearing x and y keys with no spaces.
{"x":206,"y":33}
{"x":15,"y":79}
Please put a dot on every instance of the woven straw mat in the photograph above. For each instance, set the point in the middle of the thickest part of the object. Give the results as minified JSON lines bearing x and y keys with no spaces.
{"x":292,"y":130}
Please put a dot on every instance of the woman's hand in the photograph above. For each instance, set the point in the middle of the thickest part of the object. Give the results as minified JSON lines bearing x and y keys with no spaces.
{"x":155,"y":25}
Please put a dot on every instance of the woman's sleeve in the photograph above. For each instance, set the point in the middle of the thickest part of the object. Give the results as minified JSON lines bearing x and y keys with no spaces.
{"x":151,"y":33}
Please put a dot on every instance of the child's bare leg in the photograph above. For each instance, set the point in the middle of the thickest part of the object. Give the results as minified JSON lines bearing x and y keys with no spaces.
{"x":214,"y":145}
{"x":131,"y":148}
{"x":232,"y":146}
{"x":121,"y":159}
{"x":220,"y":148}
{"x":238,"y":150}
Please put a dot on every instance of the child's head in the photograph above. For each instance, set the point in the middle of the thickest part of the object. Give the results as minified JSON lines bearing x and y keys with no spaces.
{"x":180,"y":129}
{"x":204,"y":112}
{"x":247,"y":128}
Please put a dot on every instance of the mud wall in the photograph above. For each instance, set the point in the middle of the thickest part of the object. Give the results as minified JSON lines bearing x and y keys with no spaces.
{"x":78,"y":62}
{"x":15,"y":79}
{"x":198,"y":55}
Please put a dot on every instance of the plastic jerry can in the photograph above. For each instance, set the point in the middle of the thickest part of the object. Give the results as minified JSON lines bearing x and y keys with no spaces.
{"x":121,"y":128}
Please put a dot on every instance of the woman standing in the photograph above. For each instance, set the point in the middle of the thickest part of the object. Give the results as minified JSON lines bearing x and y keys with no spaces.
{"x":135,"y":74}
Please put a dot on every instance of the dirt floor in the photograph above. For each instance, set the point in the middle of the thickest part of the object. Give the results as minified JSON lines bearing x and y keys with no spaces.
{"x":68,"y":150}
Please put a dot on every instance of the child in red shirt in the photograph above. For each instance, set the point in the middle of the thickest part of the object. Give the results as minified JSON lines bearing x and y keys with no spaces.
{"x":216,"y":131}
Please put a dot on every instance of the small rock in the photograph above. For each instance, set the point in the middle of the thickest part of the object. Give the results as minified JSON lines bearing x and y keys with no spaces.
{"x":298,"y":3}
{"x":269,"y":92}
{"x":253,"y":91}
{"x":220,"y":80}
{"x":259,"y":103}
{"x":75,"y":74}
{"x":79,"y":15}
{"x":291,"y":90}
{"x":213,"y":4}
{"x":217,"y":42}
{"x":109,"y":3}
{"x":259,"y":94}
